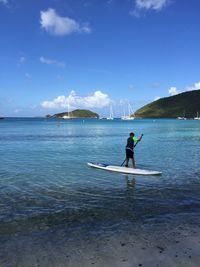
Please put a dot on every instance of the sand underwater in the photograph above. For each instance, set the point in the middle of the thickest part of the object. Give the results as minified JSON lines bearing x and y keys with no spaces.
{"x":157,"y":244}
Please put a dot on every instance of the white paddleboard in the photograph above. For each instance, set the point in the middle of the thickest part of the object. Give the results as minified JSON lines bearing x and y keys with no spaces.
{"x":121,"y":169}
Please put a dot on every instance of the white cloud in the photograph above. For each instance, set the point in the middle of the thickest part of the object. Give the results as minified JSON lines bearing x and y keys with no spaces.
{"x":22,"y":60}
{"x":109,"y":2}
{"x":17,"y":110}
{"x":135,"y":13}
{"x":27,"y":75}
{"x":131,"y":87}
{"x":173,"y":91}
{"x":96,"y":100}
{"x":151,"y":4}
{"x":5,"y":2}
{"x":157,"y":98}
{"x":52,"y":62}
{"x":196,"y":86}
{"x":57,"y":25}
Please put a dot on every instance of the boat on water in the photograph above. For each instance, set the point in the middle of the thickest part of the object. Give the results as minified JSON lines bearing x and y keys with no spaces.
{"x":183,"y":117}
{"x":197,"y":117}
{"x":111,"y":116}
{"x":129,"y":116}
{"x":68,"y":116}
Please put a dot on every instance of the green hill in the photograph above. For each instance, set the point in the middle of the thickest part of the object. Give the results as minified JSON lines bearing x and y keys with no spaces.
{"x":185,"y":104}
{"x":77,"y":113}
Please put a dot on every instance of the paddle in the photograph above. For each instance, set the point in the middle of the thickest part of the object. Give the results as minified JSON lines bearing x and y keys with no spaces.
{"x":134,"y":146}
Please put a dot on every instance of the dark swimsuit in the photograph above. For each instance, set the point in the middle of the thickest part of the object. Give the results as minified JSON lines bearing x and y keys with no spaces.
{"x":130,"y":147}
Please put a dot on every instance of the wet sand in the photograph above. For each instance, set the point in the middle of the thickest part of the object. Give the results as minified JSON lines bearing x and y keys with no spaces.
{"x":157,"y":245}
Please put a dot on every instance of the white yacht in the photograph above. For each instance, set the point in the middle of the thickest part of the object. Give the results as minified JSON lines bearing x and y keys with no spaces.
{"x":197,"y":117}
{"x":182,"y":118}
{"x":111,"y":117}
{"x":68,"y":116}
{"x":128,"y":117}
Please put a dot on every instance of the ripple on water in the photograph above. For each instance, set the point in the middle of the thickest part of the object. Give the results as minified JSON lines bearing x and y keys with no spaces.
{"x":45,"y":181}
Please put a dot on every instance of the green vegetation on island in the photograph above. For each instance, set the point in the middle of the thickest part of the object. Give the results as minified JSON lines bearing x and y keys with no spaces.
{"x":77,"y":113}
{"x":186,"y":104}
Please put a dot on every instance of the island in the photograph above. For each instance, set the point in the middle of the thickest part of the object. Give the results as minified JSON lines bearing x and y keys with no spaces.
{"x":77,"y":113}
{"x":183,"y":105}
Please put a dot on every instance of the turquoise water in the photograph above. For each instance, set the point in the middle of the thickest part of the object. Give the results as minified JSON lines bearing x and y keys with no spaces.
{"x":45,"y":182}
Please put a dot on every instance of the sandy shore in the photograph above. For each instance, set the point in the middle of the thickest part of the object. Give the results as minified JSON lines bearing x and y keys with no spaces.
{"x":159,"y":246}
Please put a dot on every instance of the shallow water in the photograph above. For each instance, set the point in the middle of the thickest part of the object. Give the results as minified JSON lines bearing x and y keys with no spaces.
{"x":45,"y":182}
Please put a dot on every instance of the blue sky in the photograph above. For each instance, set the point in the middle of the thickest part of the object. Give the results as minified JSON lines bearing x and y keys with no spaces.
{"x":93,"y":53}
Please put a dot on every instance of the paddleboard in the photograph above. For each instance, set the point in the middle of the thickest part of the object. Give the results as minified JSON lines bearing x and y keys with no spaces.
{"x":121,"y":169}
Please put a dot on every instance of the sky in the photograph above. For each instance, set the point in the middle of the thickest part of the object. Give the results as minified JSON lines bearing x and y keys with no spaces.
{"x":91,"y":54}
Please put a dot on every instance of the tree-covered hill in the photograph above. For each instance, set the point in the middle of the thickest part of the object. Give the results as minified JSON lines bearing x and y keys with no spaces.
{"x":185,"y":104}
{"x":77,"y":113}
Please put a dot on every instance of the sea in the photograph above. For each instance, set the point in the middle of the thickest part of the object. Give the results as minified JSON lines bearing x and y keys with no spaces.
{"x":45,"y":183}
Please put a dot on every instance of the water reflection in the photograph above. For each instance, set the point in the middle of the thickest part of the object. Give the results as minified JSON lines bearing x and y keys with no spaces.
{"x":130,"y":182}
{"x":130,"y":188}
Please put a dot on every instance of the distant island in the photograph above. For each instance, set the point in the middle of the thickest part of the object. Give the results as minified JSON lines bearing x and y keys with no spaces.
{"x":77,"y":113}
{"x":186,"y":105}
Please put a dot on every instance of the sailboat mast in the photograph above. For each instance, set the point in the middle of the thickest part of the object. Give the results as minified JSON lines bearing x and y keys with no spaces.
{"x":111,"y":112}
{"x":68,"y":109}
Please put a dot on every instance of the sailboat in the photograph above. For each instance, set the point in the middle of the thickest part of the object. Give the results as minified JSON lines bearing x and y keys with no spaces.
{"x":129,"y":117}
{"x":182,"y":118}
{"x":111,"y":114}
{"x":67,"y":117}
{"x":197,"y":117}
